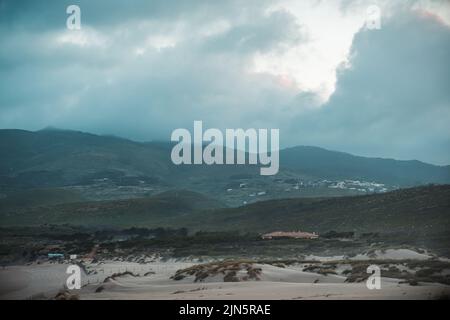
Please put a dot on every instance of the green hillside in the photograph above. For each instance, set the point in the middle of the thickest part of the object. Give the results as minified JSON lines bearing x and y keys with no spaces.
{"x":55,"y":158}
{"x":39,"y":197}
{"x":339,"y":165}
{"x":421,"y":209}
{"x":424,"y":210}
{"x":163,"y":209}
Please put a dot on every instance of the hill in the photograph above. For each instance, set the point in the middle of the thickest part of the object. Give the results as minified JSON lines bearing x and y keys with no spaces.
{"x":424,"y":210}
{"x":52,"y":158}
{"x":339,"y":165}
{"x":109,"y":167}
{"x":420,"y":209}
{"x":162,"y":209}
{"x":39,"y":197}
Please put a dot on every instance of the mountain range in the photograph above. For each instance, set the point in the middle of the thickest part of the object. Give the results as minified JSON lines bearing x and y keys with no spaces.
{"x":76,"y":178}
{"x":56,"y":158}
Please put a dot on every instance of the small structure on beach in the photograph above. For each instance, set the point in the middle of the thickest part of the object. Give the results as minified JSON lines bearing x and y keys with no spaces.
{"x":289,"y":234}
{"x":55,"y":256}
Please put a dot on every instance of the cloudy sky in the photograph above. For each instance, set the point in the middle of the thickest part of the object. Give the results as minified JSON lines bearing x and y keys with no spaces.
{"x":140,"y":69}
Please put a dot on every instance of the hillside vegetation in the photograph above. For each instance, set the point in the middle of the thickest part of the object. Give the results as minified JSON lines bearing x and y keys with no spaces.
{"x":423,"y":210}
{"x":55,"y":158}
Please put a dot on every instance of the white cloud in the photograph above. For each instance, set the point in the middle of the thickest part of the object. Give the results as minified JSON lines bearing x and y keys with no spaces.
{"x":86,"y":37}
{"x":312,"y":65}
{"x":141,"y":71}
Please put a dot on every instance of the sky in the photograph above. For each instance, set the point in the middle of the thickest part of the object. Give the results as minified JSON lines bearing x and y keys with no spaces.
{"x":312,"y":69}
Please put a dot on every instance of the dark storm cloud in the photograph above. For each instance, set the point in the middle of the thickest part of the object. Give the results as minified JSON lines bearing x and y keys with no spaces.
{"x":394,"y":99}
{"x":140,"y":69}
{"x":93,"y":80}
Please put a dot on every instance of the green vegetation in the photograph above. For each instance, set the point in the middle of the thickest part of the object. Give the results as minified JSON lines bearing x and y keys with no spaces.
{"x":38,"y":197}
{"x":164,"y":209}
{"x":55,"y":158}
{"x":228,"y":269}
{"x":421,"y":210}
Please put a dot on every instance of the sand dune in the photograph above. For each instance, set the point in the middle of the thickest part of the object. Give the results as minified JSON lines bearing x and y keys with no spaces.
{"x":153,"y":281}
{"x":394,"y":254}
{"x":275,"y":283}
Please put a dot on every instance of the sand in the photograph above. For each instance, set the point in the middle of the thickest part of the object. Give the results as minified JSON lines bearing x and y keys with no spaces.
{"x":394,"y":254}
{"x":40,"y":281}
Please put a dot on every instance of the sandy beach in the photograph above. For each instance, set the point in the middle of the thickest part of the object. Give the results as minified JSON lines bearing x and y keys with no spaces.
{"x":155,"y":280}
